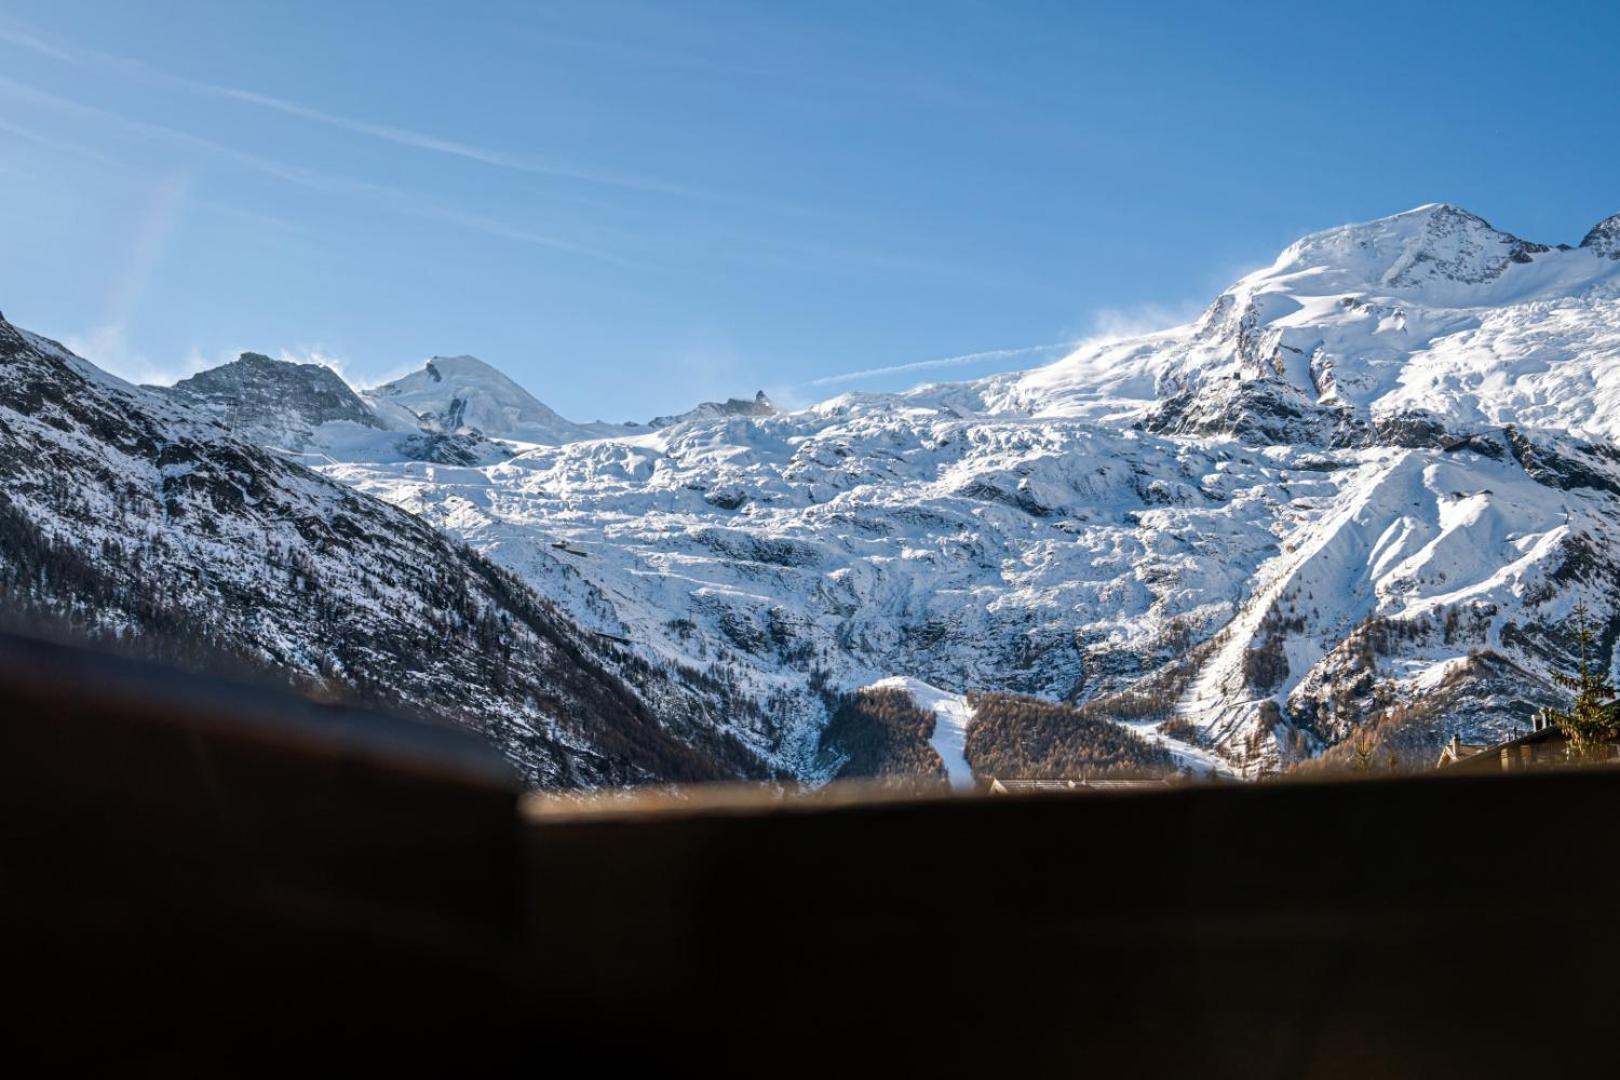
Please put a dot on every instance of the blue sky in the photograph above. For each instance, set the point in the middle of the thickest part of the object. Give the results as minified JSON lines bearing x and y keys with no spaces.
{"x":630,"y":206}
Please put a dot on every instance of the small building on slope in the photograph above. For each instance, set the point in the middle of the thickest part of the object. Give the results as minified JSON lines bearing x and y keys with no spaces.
{"x":1030,"y":787}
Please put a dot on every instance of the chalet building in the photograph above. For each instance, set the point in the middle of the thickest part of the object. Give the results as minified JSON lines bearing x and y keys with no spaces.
{"x":1025,"y":787}
{"x":1456,"y":750}
{"x":1544,"y":747}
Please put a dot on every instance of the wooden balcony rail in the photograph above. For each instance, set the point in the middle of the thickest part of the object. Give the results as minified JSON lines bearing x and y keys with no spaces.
{"x":204,"y":876}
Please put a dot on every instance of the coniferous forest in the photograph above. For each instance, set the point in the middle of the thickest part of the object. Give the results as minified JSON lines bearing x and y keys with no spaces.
{"x":1023,"y":737}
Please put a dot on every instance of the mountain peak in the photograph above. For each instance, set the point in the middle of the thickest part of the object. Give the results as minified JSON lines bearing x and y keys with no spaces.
{"x":467,"y":371}
{"x":259,"y":362}
{"x":276,"y":401}
{"x":1442,"y":209}
{"x":1432,"y":243}
{"x":451,"y":393}
{"x":249,"y":359}
{"x":758,"y":405}
{"x":1605,"y":237}
{"x":462,"y":364}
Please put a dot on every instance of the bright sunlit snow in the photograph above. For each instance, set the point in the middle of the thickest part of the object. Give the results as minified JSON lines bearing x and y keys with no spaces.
{"x":951,"y":718}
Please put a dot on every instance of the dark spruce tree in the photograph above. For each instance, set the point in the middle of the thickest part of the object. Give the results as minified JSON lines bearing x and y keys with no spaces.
{"x":1592,"y":722}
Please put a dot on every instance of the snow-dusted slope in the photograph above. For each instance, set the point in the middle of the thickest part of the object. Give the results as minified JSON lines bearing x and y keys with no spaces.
{"x":1387,"y":457}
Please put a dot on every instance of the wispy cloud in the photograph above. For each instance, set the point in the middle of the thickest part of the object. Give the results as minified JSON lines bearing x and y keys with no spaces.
{"x":108,"y":347}
{"x":314,"y":354}
{"x":76,"y":149}
{"x":390,"y":198}
{"x":400,"y":136}
{"x":1109,"y":324}
{"x":422,"y":141}
{"x":941,"y":363}
{"x":107,"y":344}
{"x":800,"y":58}
{"x":61,"y":146}
{"x":1112,"y":323}
{"x":294,"y":174}
{"x":33,"y":43}
{"x":755,"y":247}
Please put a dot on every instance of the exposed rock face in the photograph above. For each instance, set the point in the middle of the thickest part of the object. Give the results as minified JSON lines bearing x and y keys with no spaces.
{"x":462,"y":448}
{"x":1604,"y":239}
{"x":758,"y":405}
{"x":1457,"y":246}
{"x":272,"y":402}
{"x":1265,"y":411}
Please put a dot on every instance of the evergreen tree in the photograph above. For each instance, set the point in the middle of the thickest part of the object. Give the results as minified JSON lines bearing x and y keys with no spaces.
{"x":1592,"y":723}
{"x":1363,"y":751}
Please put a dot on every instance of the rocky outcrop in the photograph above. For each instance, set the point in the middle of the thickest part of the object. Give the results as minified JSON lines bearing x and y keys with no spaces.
{"x":758,"y":405}
{"x":1266,"y":411}
{"x":1604,"y":239}
{"x":271,"y":402}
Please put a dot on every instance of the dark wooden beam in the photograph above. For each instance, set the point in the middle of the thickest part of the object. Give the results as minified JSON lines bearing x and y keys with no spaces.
{"x":204,"y":876}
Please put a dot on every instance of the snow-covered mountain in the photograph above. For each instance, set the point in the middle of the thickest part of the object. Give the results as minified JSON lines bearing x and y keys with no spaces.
{"x":455,"y":411}
{"x":460,"y":394}
{"x":273,"y":402}
{"x":309,"y":411}
{"x":1358,"y":496}
{"x":456,"y":393}
{"x":1382,"y":469}
{"x":1428,"y":317}
{"x":144,"y":520}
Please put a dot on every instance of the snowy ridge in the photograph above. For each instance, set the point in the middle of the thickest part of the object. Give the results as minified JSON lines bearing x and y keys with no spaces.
{"x":758,"y":405}
{"x":455,"y":393}
{"x":1430,"y":312}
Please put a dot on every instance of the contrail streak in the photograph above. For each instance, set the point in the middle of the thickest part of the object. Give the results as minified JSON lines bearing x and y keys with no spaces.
{"x":400,"y":136}
{"x":942,"y":362}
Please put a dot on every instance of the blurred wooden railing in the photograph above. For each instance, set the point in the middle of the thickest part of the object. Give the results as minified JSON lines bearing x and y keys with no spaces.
{"x":200,"y":876}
